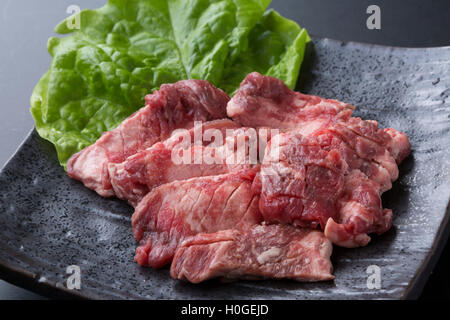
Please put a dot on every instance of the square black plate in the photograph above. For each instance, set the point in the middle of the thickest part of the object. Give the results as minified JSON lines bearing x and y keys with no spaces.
{"x":49,"y":222}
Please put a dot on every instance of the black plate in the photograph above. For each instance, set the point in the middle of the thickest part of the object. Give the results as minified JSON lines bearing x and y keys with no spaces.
{"x":49,"y":222}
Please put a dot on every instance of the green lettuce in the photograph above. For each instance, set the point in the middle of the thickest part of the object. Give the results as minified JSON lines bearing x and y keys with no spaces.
{"x":276,"y":48}
{"x":100,"y":73}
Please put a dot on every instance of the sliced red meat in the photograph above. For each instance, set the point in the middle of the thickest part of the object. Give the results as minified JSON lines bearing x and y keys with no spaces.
{"x":366,"y":148}
{"x":300,"y":181}
{"x":360,"y":213}
{"x":263,"y":101}
{"x":174,"y":106}
{"x":267,"y":101}
{"x":399,"y":146}
{"x":180,"y":159}
{"x":312,"y":185}
{"x":174,"y":211}
{"x":362,"y":155}
{"x":138,"y":174}
{"x":263,"y":251}
{"x":371,"y":155}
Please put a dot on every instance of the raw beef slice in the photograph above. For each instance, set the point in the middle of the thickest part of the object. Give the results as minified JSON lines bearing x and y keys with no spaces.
{"x":264,"y":101}
{"x":262,"y":251}
{"x":360,"y":213}
{"x":307,"y":183}
{"x":174,"y":211}
{"x":133,"y":178}
{"x":174,"y":106}
{"x":163,"y":162}
{"x":301,"y":182}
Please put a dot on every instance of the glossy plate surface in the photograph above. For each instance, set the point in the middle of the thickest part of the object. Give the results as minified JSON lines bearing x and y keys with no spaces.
{"x":49,"y":222}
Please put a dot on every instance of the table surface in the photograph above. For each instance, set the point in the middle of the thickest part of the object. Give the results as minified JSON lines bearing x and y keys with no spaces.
{"x":26,"y":25}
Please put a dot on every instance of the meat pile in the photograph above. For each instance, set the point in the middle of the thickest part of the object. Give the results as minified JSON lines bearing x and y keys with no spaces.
{"x":316,"y":180}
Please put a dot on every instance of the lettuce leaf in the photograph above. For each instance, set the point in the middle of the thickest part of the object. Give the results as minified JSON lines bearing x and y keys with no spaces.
{"x":100,"y":74}
{"x":276,"y":48}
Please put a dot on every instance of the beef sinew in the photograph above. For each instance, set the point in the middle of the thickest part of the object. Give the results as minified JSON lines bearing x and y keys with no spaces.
{"x":262,"y":251}
{"x":174,"y":211}
{"x":174,"y":106}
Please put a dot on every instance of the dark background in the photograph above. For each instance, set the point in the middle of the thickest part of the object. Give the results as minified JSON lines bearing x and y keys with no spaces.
{"x":25,"y":26}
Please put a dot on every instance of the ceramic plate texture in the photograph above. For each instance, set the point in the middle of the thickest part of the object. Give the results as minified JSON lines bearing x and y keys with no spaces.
{"x":49,"y":222}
